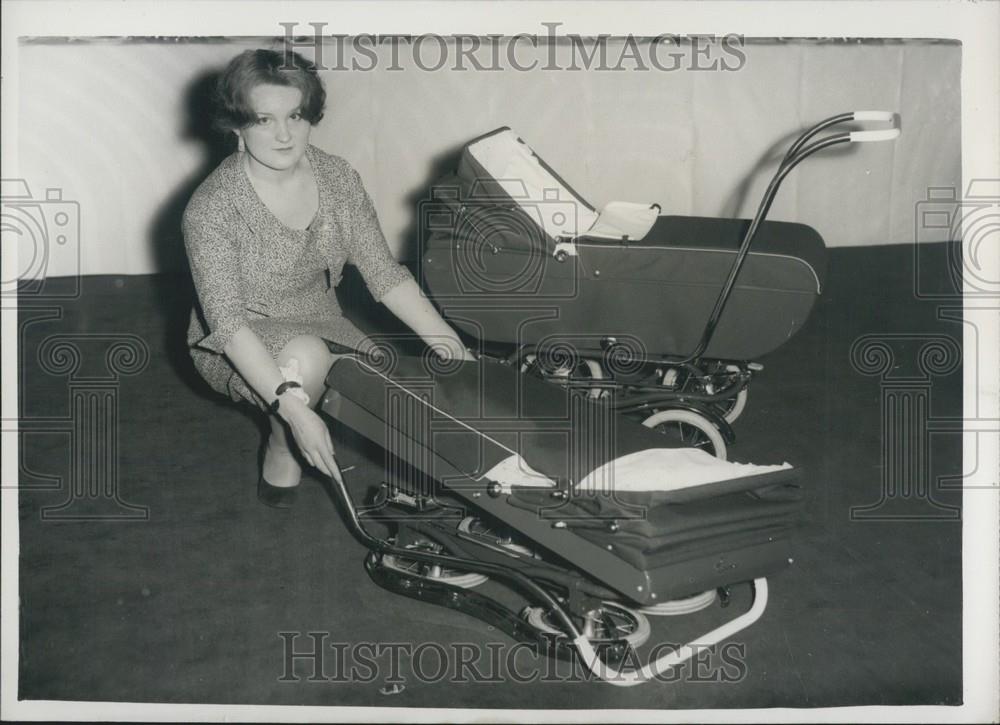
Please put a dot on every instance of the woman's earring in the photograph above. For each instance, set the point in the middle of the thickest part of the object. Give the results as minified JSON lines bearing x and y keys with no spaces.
{"x":240,"y":145}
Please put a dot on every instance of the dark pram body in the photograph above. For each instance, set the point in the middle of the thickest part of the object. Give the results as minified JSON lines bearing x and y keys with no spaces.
{"x":488,"y":261}
{"x":631,"y":305}
{"x":457,"y":426}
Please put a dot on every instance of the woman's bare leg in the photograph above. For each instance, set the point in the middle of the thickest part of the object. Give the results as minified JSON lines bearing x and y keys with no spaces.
{"x":280,"y":467}
{"x":314,"y":360}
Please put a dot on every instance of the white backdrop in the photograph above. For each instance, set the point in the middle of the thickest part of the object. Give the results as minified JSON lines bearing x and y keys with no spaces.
{"x":108,"y":122}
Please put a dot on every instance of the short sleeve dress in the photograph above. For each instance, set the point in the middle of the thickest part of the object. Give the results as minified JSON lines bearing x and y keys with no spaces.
{"x":250,"y":269}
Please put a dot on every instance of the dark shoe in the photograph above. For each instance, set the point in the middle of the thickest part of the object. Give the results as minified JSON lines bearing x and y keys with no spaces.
{"x":279,"y":497}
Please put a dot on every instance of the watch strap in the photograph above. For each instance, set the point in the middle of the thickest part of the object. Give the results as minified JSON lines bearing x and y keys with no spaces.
{"x":281,"y":389}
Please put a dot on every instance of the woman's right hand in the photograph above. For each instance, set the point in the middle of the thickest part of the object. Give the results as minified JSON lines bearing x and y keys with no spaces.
{"x":311,"y":435}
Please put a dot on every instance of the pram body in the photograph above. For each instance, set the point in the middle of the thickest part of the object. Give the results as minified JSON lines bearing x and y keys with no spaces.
{"x":492,"y":260}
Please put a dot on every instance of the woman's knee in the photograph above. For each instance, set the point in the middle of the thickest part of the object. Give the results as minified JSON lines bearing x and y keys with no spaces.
{"x":312,"y":357}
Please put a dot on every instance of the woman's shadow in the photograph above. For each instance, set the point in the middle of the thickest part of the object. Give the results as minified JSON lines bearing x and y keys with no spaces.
{"x":355,"y":299}
{"x":174,"y":289}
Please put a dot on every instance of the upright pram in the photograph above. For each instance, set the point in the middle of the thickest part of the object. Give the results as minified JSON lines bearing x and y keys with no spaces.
{"x":662,"y":315}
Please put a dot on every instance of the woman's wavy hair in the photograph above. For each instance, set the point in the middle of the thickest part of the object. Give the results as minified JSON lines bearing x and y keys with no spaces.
{"x":255,"y":67}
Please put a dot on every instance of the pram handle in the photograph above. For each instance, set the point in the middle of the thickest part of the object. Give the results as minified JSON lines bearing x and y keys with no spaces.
{"x":886,"y":116}
{"x":798,"y":152}
{"x":882,"y":134}
{"x":885,"y":134}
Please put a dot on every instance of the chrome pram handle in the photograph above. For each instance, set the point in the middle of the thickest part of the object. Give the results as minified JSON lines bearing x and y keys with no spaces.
{"x":882,"y":134}
{"x":798,"y":152}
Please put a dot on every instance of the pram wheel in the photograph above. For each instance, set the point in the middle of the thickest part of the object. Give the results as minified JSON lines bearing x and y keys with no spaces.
{"x":711,"y":378}
{"x":732,"y":408}
{"x":479,"y":529}
{"x":464,"y":580}
{"x":677,"y":607}
{"x":563,"y":368}
{"x":690,"y":428}
{"x":610,"y":622}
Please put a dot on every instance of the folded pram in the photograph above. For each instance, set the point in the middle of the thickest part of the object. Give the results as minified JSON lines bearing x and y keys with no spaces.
{"x":591,"y":563}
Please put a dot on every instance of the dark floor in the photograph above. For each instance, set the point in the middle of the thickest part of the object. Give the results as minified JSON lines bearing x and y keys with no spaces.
{"x":187,"y":604}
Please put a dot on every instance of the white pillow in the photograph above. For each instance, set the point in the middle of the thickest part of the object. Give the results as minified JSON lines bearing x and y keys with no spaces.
{"x":667,"y":469}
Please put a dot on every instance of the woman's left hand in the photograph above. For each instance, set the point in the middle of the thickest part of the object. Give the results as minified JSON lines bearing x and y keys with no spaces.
{"x":452,"y":349}
{"x":409,"y":304}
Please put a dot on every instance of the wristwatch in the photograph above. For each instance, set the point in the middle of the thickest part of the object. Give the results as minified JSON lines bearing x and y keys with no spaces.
{"x":284,"y":387}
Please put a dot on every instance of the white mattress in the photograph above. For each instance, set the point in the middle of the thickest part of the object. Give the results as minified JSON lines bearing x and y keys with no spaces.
{"x":654,"y":469}
{"x":668,"y":469}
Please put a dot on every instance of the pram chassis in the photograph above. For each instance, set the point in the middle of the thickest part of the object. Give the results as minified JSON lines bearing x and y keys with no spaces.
{"x":582,"y":600}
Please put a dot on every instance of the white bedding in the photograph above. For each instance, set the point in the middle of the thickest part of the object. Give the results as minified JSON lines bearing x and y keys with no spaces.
{"x":668,"y":469}
{"x":654,"y":469}
{"x":515,"y":471}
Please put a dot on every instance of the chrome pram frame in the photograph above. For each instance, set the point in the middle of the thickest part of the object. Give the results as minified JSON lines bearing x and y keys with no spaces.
{"x":694,"y":397}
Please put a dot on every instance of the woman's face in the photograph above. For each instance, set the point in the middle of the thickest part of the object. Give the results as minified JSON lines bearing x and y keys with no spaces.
{"x":280,"y":135}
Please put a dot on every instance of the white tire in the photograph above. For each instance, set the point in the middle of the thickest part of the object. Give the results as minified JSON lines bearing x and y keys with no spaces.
{"x":463,"y":580}
{"x":624,"y":623}
{"x":692,"y":428}
{"x":738,"y":405}
{"x":677,"y":607}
